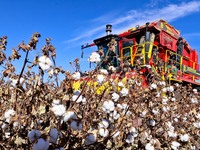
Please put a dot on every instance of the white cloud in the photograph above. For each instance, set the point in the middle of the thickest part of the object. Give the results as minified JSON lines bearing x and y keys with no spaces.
{"x":138,"y":17}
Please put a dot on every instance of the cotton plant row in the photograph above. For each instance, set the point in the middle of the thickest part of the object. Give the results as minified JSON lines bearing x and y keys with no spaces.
{"x":98,"y":111}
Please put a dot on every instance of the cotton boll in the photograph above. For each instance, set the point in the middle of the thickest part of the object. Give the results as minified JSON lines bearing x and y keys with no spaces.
{"x":134,"y":132}
{"x":14,"y":81}
{"x":172,"y":134}
{"x":76,"y":75}
{"x":164,"y":90}
{"x":170,"y":89}
{"x":90,"y":139}
{"x":34,"y":135}
{"x":115,"y":97}
{"x":9,"y":113}
{"x":112,"y":68}
{"x":69,"y":115}
{"x":184,"y":138}
{"x":94,"y":57}
{"x":76,"y":95}
{"x":149,"y":146}
{"x":103,"y":71}
{"x":175,"y":145}
{"x":100,"y":78}
{"x":75,"y":125}
{"x":41,"y":144}
{"x":195,"y":91}
{"x":173,"y":99}
{"x":153,"y":86}
{"x":7,"y":135}
{"x":103,"y":132}
{"x":59,"y":110}
{"x":120,"y":84}
{"x":194,"y":100}
{"x":130,"y":138}
{"x":4,"y":126}
{"x":155,"y":111}
{"x":55,"y":102}
{"x":108,"y":106}
{"x":45,"y":63}
{"x":164,"y":100}
{"x":115,"y":115}
{"x":151,"y":122}
{"x":104,"y":123}
{"x":84,"y":101}
{"x":53,"y":135}
{"x":196,"y":124}
{"x":124,"y":92}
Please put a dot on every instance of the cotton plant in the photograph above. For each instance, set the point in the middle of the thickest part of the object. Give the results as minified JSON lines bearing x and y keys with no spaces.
{"x":103,"y":71}
{"x":77,"y":97}
{"x":170,"y":89}
{"x":45,"y":62}
{"x":41,"y":144}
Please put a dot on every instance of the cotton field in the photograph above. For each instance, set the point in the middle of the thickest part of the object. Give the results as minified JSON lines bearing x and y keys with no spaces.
{"x":92,"y":111}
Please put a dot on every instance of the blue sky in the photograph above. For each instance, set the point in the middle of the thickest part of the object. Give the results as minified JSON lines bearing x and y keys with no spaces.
{"x":71,"y":23}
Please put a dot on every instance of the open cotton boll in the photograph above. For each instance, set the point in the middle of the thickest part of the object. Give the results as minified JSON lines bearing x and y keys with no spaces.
{"x":69,"y":115}
{"x":58,"y":110}
{"x":41,"y":144}
{"x":112,"y":68}
{"x":149,"y":146}
{"x":195,"y":91}
{"x":55,"y":102}
{"x":172,"y":134}
{"x":104,"y":123}
{"x":4,"y":126}
{"x":53,"y":135}
{"x":103,"y":71}
{"x":45,"y":63}
{"x":170,"y":89}
{"x":9,"y":113}
{"x":115,"y":97}
{"x":134,"y":132}
{"x":184,"y":138}
{"x":115,"y":115}
{"x":130,"y":138}
{"x":14,"y":81}
{"x":34,"y":135}
{"x":108,"y":106}
{"x":196,"y":124}
{"x":76,"y":125}
{"x":151,"y":122}
{"x":103,"y":132}
{"x":7,"y":135}
{"x":90,"y":139}
{"x":100,"y":78}
{"x":153,"y":86}
{"x":120,"y":84}
{"x":175,"y":145}
{"x":124,"y":92}
{"x":76,"y":95}
{"x":94,"y":57}
{"x":76,"y":75}
{"x":116,"y":134}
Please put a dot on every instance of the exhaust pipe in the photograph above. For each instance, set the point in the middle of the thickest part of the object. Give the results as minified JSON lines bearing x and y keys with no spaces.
{"x":108,"y":29}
